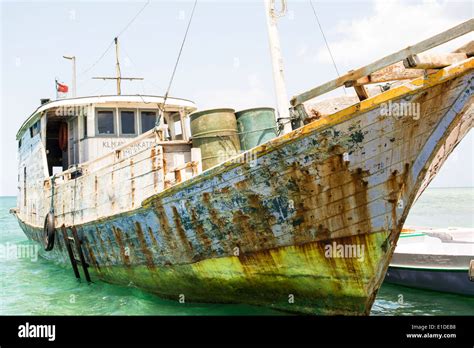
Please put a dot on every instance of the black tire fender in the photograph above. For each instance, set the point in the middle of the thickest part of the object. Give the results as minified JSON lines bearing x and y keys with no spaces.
{"x":49,"y":232}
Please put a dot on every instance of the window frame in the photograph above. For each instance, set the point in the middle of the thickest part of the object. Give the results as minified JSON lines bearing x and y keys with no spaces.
{"x":35,"y":128}
{"x":114,"y":118}
{"x":119,"y":112}
{"x":146,"y":110}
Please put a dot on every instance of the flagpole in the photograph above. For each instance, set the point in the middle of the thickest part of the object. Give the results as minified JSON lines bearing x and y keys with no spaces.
{"x":56,"y":87}
{"x":73,"y":82}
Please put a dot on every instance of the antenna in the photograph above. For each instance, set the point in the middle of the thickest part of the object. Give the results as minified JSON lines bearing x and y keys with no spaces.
{"x":119,"y":77}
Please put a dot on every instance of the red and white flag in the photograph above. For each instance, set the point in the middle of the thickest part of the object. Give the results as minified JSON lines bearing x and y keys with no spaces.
{"x":61,"y":88}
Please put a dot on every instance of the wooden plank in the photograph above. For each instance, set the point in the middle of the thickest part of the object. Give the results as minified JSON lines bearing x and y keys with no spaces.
{"x":353,"y":75}
{"x":432,"y":60}
{"x":393,"y":72}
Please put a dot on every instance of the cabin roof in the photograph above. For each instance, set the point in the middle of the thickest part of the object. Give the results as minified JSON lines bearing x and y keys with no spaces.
{"x":153,"y":99}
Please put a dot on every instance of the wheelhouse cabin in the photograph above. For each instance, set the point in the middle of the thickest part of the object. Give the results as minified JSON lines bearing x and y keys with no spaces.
{"x":103,"y":141}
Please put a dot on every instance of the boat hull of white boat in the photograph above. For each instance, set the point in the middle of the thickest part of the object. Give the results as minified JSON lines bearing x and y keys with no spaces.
{"x":435,"y":259}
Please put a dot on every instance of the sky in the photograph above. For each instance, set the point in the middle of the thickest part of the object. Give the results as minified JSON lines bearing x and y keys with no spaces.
{"x":225,"y":61}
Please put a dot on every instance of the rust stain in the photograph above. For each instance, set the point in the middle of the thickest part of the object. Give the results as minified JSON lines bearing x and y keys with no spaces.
{"x":118,"y":237}
{"x":177,"y":175}
{"x":113,"y":201}
{"x":111,"y":248}
{"x":165,"y":228}
{"x":91,"y":254}
{"x":258,"y":219}
{"x":180,"y":231}
{"x":395,"y":185}
{"x":141,"y":238}
{"x":199,"y":229}
{"x":154,"y":167}
{"x":153,"y":238}
{"x":96,"y":190}
{"x":105,"y":250}
{"x":132,"y":183}
{"x":337,"y":199}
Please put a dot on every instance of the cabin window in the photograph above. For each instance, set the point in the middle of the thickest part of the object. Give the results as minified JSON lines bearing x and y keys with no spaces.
{"x":35,"y":128}
{"x":105,"y":122}
{"x":19,"y":144}
{"x":84,"y":122}
{"x":148,"y":119}
{"x":127,"y":122}
{"x":177,"y":126}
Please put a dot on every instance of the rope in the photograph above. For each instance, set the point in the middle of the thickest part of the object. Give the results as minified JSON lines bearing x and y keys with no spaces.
{"x":325,"y":40}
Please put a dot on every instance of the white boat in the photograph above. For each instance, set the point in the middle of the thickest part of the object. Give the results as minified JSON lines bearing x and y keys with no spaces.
{"x":435,"y":259}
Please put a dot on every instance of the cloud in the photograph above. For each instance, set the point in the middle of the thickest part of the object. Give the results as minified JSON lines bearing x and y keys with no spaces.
{"x":392,"y":26}
{"x":255,"y":94}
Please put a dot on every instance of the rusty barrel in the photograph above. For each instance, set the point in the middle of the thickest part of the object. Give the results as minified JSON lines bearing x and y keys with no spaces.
{"x":256,"y":126}
{"x":215,"y":133}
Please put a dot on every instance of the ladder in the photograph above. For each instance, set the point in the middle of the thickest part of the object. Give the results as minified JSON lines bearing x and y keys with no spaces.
{"x":78,"y":248}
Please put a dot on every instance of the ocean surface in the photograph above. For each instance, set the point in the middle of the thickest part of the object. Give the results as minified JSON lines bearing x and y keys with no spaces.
{"x":33,"y":286}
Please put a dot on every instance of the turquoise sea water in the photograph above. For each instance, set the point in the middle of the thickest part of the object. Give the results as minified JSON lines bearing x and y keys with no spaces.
{"x":30,"y":285}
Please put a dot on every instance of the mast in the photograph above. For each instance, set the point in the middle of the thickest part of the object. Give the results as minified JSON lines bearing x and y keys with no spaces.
{"x":117,"y":65}
{"x":73,"y":59}
{"x":118,"y":76}
{"x":283,"y":104}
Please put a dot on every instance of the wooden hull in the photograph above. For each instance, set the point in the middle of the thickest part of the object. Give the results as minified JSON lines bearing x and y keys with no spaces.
{"x":265,"y":228}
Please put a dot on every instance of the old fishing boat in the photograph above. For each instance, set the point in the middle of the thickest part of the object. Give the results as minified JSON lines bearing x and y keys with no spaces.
{"x":204,"y":206}
{"x":435,"y":259}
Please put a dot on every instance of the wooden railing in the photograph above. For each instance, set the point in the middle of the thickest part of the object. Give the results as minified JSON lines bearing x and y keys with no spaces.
{"x":350,"y":79}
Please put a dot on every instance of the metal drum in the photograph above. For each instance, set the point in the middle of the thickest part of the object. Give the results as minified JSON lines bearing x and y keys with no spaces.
{"x":256,"y":126}
{"x":215,"y":133}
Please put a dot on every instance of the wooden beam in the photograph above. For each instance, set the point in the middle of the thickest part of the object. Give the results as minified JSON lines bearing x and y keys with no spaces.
{"x":350,"y":78}
{"x":361,"y":92}
{"x":432,"y":60}
{"x":393,"y":72}
{"x":467,"y":48}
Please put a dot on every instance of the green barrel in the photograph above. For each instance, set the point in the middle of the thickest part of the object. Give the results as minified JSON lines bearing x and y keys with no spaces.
{"x":256,"y":126}
{"x":215,"y":133}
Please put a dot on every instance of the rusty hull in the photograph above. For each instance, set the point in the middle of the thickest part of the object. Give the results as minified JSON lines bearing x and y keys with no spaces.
{"x":258,"y":231}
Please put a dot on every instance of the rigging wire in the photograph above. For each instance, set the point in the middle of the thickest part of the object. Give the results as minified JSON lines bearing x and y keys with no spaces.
{"x":133,"y":19}
{"x":112,"y":42}
{"x":98,"y":60}
{"x":325,"y":40}
{"x":132,"y":65}
{"x":179,"y":54}
{"x":162,"y":106}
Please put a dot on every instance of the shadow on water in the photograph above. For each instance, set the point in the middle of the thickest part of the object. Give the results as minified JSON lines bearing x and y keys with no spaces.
{"x":34,"y":286}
